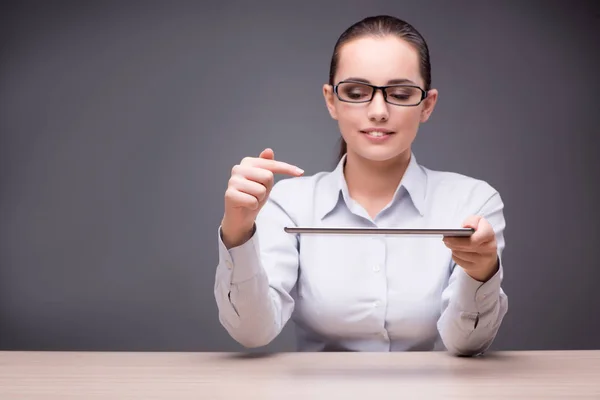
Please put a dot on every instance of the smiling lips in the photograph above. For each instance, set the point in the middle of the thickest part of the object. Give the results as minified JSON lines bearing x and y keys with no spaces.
{"x":377,"y":132}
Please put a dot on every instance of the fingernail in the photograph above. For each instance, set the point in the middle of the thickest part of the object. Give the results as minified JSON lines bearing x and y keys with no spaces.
{"x":300,"y":171}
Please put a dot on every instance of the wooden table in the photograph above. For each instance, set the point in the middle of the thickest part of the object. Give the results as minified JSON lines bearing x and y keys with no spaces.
{"x":283,"y":376}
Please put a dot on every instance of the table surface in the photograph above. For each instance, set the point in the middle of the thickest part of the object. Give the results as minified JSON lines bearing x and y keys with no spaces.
{"x":420,"y":375}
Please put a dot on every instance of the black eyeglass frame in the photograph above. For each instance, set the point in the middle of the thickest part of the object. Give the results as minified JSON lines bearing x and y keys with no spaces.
{"x":383,"y":92}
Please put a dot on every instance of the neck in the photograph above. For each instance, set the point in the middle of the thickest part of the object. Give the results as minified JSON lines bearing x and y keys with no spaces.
{"x":376,"y":180}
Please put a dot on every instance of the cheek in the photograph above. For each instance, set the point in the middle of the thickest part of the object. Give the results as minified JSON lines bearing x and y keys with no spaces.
{"x":350,"y":119}
{"x":406,"y":118}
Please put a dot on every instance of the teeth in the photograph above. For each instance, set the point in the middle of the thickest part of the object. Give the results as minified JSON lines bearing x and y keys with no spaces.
{"x":376,"y":134}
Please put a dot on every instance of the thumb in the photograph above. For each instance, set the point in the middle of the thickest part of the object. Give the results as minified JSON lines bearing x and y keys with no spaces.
{"x":267,"y":154}
{"x":472,"y":222}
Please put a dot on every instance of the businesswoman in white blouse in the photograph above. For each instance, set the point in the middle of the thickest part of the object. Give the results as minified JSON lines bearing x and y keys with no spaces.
{"x":364,"y":292}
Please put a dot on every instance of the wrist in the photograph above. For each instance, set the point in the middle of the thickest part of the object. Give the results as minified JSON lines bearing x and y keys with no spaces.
{"x":485,"y":273}
{"x":235,"y":235}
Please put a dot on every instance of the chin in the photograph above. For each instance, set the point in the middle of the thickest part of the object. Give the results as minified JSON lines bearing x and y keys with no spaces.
{"x":380,"y":154}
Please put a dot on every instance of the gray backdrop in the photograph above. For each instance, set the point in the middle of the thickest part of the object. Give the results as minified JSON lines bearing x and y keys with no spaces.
{"x":120,"y":121}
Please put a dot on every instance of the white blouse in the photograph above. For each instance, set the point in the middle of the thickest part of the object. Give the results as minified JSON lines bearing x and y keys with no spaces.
{"x":363,"y":292}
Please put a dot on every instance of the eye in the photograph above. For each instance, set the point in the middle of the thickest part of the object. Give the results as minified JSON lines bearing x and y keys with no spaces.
{"x":403,"y":94}
{"x":354,"y":91}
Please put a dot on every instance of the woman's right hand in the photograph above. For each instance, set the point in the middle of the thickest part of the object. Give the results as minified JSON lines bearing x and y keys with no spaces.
{"x":247,"y":191}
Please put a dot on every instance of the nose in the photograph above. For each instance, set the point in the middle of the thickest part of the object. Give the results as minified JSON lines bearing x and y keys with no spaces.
{"x":378,"y":110}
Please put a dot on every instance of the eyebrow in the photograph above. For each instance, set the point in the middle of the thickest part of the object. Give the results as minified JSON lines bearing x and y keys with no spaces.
{"x":390,"y":82}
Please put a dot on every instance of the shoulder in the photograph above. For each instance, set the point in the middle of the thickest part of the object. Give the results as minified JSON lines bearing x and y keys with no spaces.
{"x":459,"y":190}
{"x":453,"y":184}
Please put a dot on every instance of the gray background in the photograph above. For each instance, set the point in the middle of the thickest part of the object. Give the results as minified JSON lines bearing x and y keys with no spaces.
{"x":120,"y":121}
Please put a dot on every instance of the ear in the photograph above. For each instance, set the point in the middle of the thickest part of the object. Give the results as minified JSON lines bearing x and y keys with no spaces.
{"x":429,"y":104}
{"x":329,"y":100}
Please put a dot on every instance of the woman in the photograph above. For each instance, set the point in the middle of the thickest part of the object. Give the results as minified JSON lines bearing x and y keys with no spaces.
{"x":364,"y":293}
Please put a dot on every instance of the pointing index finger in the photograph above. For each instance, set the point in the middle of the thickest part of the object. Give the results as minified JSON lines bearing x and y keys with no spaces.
{"x":278,"y":167}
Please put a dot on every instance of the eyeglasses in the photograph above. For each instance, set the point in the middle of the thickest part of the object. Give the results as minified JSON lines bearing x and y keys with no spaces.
{"x":360,"y":92}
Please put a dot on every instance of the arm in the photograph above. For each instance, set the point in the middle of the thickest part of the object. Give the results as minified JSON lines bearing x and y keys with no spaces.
{"x":253,"y":280}
{"x":472,"y":311}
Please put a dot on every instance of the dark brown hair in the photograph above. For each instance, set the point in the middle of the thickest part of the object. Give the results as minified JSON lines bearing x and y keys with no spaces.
{"x":380,"y":26}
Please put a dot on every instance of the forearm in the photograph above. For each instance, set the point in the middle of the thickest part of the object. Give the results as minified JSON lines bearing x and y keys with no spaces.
{"x":473,"y":314}
{"x":249,"y":309}
{"x":246,"y":309}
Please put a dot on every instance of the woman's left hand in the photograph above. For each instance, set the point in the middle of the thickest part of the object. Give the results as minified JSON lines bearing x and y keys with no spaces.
{"x":478,"y":253}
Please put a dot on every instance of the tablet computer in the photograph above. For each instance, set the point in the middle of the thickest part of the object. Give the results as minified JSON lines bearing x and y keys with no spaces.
{"x":382,"y":231}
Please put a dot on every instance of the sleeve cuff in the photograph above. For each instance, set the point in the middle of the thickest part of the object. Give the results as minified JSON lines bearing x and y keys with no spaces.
{"x":243,"y":261}
{"x":475,"y":296}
